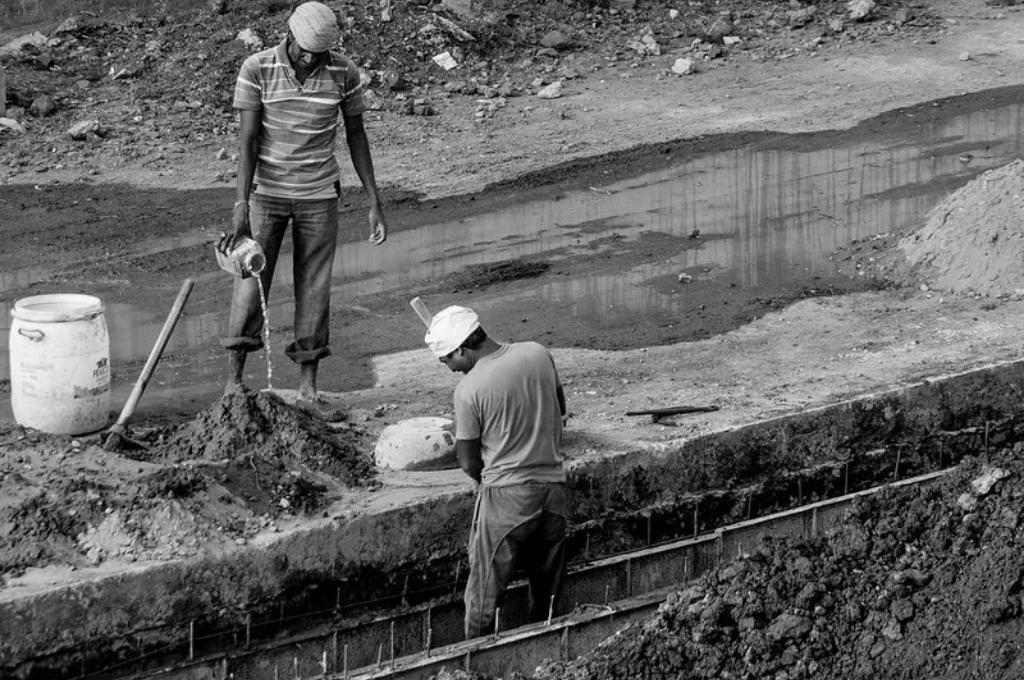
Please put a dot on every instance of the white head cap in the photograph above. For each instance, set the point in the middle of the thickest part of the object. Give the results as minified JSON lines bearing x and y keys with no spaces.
{"x":449,"y":328}
{"x":314,"y":27}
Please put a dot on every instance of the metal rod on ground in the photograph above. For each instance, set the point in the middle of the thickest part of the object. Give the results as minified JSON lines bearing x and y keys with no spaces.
{"x":428,"y":630}
{"x":115,"y":436}
{"x":551,"y":610}
{"x":392,"y":643}
{"x":3,"y":92}
{"x":421,"y":310}
{"x":191,"y":640}
{"x":497,"y":621}
{"x":344,"y":663}
{"x":248,"y":629}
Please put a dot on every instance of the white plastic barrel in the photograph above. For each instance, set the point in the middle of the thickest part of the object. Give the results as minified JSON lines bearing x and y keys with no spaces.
{"x":60,"y":363}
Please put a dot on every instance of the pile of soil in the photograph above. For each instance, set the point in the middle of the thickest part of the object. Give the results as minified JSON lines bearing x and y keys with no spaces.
{"x":207,"y":485}
{"x":973,"y":241}
{"x":920,"y":582}
{"x":259,"y":426}
{"x":64,"y":502}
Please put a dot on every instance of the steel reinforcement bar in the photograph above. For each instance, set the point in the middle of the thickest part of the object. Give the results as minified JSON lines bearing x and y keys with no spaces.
{"x":606,"y":594}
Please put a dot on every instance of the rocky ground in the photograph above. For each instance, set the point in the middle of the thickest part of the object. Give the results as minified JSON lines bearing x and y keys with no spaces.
{"x":105,"y":111}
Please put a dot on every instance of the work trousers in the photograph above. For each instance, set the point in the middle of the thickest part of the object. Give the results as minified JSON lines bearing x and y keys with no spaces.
{"x":314,"y":235}
{"x":515,"y":527}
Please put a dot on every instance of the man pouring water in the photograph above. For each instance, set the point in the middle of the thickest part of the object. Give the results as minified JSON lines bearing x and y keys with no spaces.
{"x":288,"y":98}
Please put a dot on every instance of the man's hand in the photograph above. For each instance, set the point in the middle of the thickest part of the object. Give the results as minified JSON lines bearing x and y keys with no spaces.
{"x":378,"y":227}
{"x":240,"y":228}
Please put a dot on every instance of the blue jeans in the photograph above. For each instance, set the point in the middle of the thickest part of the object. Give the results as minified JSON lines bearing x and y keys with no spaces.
{"x":314,"y":236}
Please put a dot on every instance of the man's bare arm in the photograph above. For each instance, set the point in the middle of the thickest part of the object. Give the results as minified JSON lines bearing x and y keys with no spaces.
{"x":469,"y":453}
{"x":362,"y":161}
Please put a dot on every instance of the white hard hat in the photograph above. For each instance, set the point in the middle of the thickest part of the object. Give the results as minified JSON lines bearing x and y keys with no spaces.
{"x":449,"y":328}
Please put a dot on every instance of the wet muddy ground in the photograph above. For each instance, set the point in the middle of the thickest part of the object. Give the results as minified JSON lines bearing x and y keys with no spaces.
{"x":668,"y":243}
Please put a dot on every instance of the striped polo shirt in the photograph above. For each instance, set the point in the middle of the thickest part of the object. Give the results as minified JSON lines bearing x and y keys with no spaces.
{"x":299,"y":121}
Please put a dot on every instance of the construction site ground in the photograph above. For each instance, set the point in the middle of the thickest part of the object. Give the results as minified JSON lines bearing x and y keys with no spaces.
{"x":72,"y":512}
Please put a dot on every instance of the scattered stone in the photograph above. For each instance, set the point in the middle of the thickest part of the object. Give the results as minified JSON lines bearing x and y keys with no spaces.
{"x":394,"y":81}
{"x":731,"y":40}
{"x":965,"y":56}
{"x":789,"y":626}
{"x":892,"y":630}
{"x":12,"y":125}
{"x":250,"y":39}
{"x":461,"y":7}
{"x":798,"y":18}
{"x":902,"y":610}
{"x":14,"y":47}
{"x":555,"y":40}
{"x":217,"y":7}
{"x":645,"y":44}
{"x":967,"y":501}
{"x":42,"y":106}
{"x":983,"y":484}
{"x":673,"y":14}
{"x":721,"y":26}
{"x":419,"y":107}
{"x":551,"y":91}
{"x":222,"y":154}
{"x":836,"y":25}
{"x":69,"y":25}
{"x":683,"y":277}
{"x":860,"y":10}
{"x":445,"y":60}
{"x":684,"y":66}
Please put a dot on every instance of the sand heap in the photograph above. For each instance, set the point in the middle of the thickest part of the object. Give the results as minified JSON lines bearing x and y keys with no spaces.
{"x":920,"y":582}
{"x":973,"y":241}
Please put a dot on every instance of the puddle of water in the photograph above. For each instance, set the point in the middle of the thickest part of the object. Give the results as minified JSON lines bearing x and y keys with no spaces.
{"x":753,"y":217}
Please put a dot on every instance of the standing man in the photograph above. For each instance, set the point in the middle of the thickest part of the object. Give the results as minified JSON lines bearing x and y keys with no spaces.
{"x":508,"y":426}
{"x":288,"y":98}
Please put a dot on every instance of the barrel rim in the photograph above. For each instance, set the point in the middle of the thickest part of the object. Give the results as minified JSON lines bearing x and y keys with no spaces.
{"x":85,"y":307}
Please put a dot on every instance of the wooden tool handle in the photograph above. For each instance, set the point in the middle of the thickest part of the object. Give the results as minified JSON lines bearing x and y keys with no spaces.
{"x":672,"y":411}
{"x":156,"y":352}
{"x":421,"y":310}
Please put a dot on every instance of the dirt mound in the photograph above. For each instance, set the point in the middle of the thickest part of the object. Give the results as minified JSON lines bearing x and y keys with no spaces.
{"x":259,"y":426}
{"x":918,"y":583}
{"x":213,"y":482}
{"x":973,"y":241}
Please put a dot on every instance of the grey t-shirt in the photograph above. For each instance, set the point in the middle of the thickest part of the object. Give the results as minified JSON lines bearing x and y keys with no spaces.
{"x":509,"y":401}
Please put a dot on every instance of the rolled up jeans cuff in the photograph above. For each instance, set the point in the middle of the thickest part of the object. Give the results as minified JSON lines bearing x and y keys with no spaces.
{"x":303,"y":356}
{"x":242,"y":343}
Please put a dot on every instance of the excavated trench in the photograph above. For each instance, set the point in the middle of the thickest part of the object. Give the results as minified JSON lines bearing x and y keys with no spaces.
{"x":624,"y":503}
